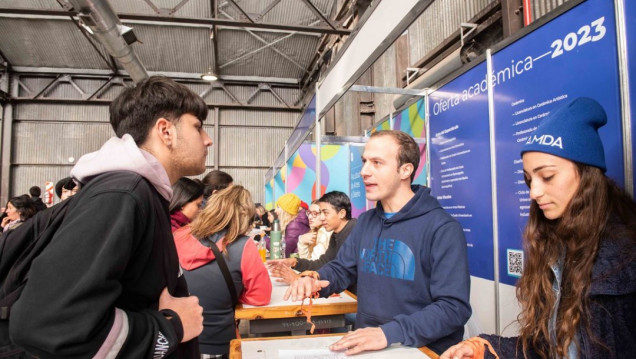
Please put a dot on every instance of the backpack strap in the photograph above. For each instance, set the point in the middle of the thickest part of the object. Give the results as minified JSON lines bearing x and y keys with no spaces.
{"x":224,"y":270}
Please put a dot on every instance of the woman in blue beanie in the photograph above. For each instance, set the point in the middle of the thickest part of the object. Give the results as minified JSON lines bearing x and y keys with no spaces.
{"x":578,"y":288}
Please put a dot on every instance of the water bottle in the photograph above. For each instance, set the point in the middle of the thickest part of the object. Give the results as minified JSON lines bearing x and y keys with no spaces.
{"x":275,"y":237}
{"x":283,"y":248}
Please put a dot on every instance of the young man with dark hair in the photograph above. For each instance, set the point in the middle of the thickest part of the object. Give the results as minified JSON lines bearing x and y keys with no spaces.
{"x":335,"y":214}
{"x":408,"y":257}
{"x":109,"y":285}
{"x":35,"y":192}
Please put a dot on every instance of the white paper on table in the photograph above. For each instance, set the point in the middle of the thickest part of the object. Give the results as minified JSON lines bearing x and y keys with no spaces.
{"x":310,"y":354}
{"x":299,"y":347}
{"x":279,"y":289}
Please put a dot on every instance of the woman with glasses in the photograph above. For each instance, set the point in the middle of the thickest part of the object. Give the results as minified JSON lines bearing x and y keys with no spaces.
{"x":314,"y":243}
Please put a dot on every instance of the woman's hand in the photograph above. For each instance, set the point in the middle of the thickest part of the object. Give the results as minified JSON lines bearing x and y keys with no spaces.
{"x":308,"y":239}
{"x":462,"y":350}
{"x":5,"y":221}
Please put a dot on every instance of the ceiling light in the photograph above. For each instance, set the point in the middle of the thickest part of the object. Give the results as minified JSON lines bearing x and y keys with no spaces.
{"x":209,"y":76}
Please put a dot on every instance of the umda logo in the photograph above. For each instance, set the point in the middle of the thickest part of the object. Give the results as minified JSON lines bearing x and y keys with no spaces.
{"x":546,"y":140}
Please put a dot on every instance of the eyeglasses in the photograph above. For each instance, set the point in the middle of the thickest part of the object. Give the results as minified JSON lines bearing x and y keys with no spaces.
{"x":312,"y":214}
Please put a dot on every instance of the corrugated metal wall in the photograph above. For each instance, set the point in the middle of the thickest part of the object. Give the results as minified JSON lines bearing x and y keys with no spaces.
{"x":384,"y":75}
{"x":48,"y":138}
{"x":542,"y":7}
{"x":439,"y":21}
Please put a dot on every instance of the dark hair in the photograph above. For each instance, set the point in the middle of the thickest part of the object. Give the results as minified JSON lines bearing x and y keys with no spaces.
{"x":24,"y":205}
{"x":184,"y":191}
{"x":598,"y":210}
{"x":409,"y":151}
{"x":137,"y":108}
{"x":35,"y":191}
{"x":338,"y":200}
{"x":66,"y":183}
{"x":216,"y":180}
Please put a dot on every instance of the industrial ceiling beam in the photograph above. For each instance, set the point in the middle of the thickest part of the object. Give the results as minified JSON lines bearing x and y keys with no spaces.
{"x":185,"y":20}
{"x":5,"y":60}
{"x":106,"y":102}
{"x":110,"y":62}
{"x":240,"y":9}
{"x":267,"y":10}
{"x":319,"y":14}
{"x":214,"y":33}
{"x":227,"y":79}
{"x":100,"y":17}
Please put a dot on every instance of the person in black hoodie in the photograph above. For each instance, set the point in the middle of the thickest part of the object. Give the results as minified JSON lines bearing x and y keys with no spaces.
{"x":35,"y":193}
{"x":109,"y":284}
{"x":407,"y":256}
{"x":578,"y":288}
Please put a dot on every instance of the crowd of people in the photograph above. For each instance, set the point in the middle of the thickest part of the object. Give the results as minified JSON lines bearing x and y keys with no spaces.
{"x":20,"y":208}
{"x":150,"y":263}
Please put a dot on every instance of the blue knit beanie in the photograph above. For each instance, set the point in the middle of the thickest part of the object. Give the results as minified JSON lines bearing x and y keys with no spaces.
{"x":571,"y":132}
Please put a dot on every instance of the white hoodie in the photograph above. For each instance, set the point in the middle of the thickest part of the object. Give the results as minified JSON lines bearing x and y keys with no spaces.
{"x":122,"y":154}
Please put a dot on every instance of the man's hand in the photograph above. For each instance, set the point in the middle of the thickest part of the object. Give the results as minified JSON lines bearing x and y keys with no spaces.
{"x":309,"y":238}
{"x":189,"y":311}
{"x":458,"y":351}
{"x":303,"y":287}
{"x":361,"y":340}
{"x":280,"y":262}
{"x":284,"y":274}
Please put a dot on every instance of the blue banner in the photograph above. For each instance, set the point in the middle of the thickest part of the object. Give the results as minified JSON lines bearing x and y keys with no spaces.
{"x":571,"y":56}
{"x":358,"y":194}
{"x":630,"y":21}
{"x":460,"y":162}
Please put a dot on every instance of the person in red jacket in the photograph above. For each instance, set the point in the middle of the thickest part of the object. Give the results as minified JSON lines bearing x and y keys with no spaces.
{"x":223,"y":222}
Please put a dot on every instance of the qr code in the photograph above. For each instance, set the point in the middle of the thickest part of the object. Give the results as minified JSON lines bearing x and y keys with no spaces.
{"x":515,"y":262}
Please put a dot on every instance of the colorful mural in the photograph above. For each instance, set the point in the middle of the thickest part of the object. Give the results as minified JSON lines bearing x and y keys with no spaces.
{"x":357,"y":195}
{"x":269,"y":195}
{"x":279,"y":183}
{"x":333,"y":171}
{"x":412,"y":120}
{"x":384,"y":125}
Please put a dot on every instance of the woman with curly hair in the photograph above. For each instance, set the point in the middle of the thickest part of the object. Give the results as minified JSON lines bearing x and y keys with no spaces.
{"x":19,"y":209}
{"x":578,"y":287}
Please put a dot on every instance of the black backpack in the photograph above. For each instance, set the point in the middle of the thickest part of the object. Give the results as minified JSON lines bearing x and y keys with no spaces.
{"x":18,"y":248}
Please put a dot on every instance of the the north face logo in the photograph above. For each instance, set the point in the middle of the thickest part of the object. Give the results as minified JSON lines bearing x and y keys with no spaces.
{"x":546,"y":140}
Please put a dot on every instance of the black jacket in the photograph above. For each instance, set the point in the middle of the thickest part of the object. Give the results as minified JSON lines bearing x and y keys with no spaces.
{"x":335,"y":242}
{"x":102,"y":274}
{"x":38,"y":204}
{"x":612,"y":311}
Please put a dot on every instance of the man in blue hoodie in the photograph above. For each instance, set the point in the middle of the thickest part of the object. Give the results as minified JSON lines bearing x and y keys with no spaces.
{"x":408,"y":257}
{"x":109,"y":285}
